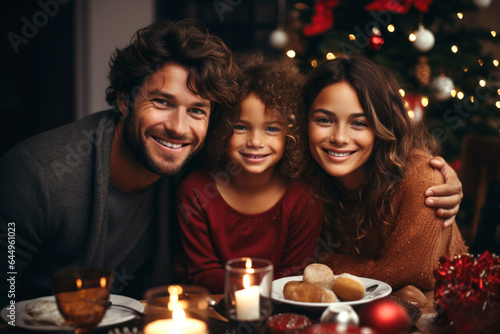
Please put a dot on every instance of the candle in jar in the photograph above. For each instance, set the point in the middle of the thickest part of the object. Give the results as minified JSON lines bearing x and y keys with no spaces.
{"x":188,"y":326}
{"x":247,"y":301}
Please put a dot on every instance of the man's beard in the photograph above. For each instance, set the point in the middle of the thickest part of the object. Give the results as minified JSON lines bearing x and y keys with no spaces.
{"x":141,"y":152}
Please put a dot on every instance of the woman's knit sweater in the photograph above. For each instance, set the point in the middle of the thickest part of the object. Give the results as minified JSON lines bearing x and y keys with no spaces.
{"x":406,"y":251}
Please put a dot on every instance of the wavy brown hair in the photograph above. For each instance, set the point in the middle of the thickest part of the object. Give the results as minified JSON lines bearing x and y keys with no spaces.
{"x":278,"y":86}
{"x":187,"y":43}
{"x":396,"y":137}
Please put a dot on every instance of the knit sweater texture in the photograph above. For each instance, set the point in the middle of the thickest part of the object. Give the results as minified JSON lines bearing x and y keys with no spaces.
{"x":406,"y":251}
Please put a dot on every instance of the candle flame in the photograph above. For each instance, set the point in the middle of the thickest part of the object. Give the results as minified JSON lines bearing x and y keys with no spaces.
{"x":103,"y":282}
{"x":178,"y":316}
{"x":246,"y":281}
{"x":248,"y":264}
{"x":174,"y":291}
{"x":79,"y":283}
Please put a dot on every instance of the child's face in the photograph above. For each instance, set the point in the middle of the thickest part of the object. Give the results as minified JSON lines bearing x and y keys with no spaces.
{"x":340,"y":138}
{"x":258,"y":142}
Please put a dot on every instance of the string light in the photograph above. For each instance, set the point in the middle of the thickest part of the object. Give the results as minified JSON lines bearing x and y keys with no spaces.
{"x":480,"y":62}
{"x":454,"y":49}
{"x":412,"y":37}
{"x":425,"y":101}
{"x":330,"y":56}
{"x":453,"y":93}
{"x":460,"y":15}
{"x":460,"y":95}
{"x":495,"y":62}
{"x":301,"y":6}
{"x":290,"y":53}
{"x":482,"y":83}
{"x":314,"y":63}
{"x":493,"y":33}
{"x":498,"y":91}
{"x":402,"y":92}
{"x":497,"y":104}
{"x":390,"y":28}
{"x":465,"y":69}
{"x":472,"y":99}
{"x":352,"y":37}
{"x":411,"y":114}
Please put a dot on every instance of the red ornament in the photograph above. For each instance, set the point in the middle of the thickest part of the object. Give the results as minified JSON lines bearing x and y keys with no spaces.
{"x":467,"y":293}
{"x":375,"y":42}
{"x":398,"y":6}
{"x":413,"y":104}
{"x":322,"y":19}
{"x":385,"y":316}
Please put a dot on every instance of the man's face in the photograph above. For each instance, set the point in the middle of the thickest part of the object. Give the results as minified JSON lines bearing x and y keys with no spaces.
{"x":168,"y":123}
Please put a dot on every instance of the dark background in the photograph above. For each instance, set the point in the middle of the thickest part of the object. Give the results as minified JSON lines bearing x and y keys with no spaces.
{"x":37,"y":90}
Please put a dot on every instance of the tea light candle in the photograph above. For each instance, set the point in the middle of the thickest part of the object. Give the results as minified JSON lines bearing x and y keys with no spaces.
{"x":188,"y":326}
{"x":247,"y":301}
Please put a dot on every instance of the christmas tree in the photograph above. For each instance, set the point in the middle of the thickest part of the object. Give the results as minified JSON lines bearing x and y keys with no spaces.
{"x":447,"y":78}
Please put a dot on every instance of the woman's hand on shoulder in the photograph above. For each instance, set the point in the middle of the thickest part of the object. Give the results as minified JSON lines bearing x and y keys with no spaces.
{"x":445,"y":197}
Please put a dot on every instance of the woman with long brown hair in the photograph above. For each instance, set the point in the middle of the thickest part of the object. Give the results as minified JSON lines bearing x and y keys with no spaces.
{"x":370,"y":166}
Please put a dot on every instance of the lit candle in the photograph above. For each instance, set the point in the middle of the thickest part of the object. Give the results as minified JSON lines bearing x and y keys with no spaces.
{"x":248,"y":299}
{"x":179,"y":324}
{"x":189,"y":326}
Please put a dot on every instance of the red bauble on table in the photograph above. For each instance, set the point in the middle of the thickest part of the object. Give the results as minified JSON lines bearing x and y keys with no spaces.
{"x":385,"y":316}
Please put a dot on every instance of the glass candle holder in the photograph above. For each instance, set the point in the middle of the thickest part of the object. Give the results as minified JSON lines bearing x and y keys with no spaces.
{"x":179,"y":309}
{"x":248,"y":285}
{"x":82,"y":296}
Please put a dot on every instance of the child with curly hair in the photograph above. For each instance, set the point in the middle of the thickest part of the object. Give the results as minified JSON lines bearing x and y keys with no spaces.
{"x":250,"y":201}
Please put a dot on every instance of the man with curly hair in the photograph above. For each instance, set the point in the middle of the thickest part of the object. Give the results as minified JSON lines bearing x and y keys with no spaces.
{"x":97,"y":192}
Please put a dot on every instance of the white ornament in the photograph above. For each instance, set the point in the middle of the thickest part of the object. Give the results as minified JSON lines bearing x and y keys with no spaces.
{"x":278,"y":38}
{"x":441,"y":87}
{"x":424,"y":39}
{"x":482,"y":3}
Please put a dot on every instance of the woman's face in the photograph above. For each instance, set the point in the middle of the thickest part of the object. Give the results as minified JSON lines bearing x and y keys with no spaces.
{"x":340,"y":138}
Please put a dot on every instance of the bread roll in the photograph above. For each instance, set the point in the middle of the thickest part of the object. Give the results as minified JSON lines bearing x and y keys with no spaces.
{"x":348,"y":287}
{"x":320,"y":275}
{"x":308,"y":293}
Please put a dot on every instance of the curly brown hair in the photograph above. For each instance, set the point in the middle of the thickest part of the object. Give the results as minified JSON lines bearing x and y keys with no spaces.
{"x":278,"y":85}
{"x":396,"y":138}
{"x":187,"y":43}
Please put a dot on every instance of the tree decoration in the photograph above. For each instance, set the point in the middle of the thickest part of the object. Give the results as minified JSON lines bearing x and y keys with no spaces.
{"x":467,"y":293}
{"x":376,"y":39}
{"x":322,"y":19}
{"x":482,"y":3}
{"x":278,"y":38}
{"x":398,"y":6}
{"x":423,"y":71}
{"x":441,"y":87}
{"x":424,"y":39}
{"x":414,"y":106}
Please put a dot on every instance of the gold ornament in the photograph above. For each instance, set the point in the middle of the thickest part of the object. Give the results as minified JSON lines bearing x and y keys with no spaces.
{"x":423,"y":71}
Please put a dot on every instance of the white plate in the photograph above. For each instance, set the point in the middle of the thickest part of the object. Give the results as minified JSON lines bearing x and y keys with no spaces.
{"x":113,"y":315}
{"x":381,"y":291}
